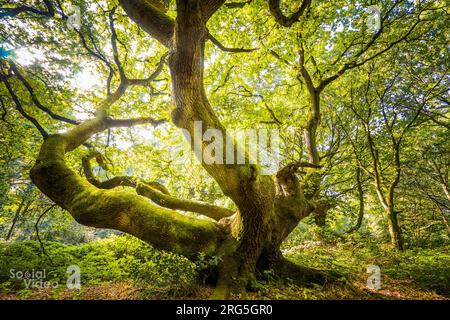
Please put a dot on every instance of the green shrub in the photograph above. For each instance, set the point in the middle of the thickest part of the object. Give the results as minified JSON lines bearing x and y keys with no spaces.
{"x":107,"y":260}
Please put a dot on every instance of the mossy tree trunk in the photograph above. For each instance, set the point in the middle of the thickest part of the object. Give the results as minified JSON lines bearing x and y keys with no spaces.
{"x":269,"y":207}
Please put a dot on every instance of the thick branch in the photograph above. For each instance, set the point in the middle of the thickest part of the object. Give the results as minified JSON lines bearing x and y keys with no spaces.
{"x":114,"y":123}
{"x":116,"y":209}
{"x":152,"y":190}
{"x":209,"y":7}
{"x":119,"y":181}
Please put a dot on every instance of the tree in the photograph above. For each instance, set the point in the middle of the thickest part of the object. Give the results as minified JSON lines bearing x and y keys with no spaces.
{"x":268,"y":208}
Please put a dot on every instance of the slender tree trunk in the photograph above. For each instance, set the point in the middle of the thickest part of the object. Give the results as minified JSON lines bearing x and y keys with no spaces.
{"x":361,"y":201}
{"x":387,"y":197}
{"x":269,"y":207}
{"x":394,"y":228}
{"x":391,"y":219}
{"x":444,"y":218}
{"x":446,"y":191}
{"x":16,"y":218}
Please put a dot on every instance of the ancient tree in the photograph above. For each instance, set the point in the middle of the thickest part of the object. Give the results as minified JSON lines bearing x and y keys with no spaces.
{"x":269,"y":207}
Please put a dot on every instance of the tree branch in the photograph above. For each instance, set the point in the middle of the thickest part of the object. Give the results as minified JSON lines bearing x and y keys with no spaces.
{"x":19,"y":107}
{"x":116,"y":209}
{"x":35,"y":99}
{"x":114,"y":45}
{"x":12,"y":12}
{"x":36,"y":227}
{"x":152,"y":190}
{"x":114,"y":123}
{"x":287,"y":21}
{"x":209,"y":7}
{"x":152,"y":77}
{"x":235,"y":5}
{"x":147,"y":16}
{"x":354,"y":64}
{"x":168,"y":201}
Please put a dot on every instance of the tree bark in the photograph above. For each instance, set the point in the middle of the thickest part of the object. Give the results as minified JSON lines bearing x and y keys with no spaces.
{"x":387,"y":197}
{"x":361,"y":201}
{"x":269,"y":208}
{"x":394,"y":229}
{"x":252,"y":193}
{"x":16,"y":217}
{"x":116,"y":209}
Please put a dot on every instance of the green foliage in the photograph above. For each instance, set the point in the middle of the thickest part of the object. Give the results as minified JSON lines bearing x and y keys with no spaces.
{"x":102,"y":261}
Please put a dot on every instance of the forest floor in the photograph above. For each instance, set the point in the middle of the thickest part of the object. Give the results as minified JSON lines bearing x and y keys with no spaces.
{"x":414,"y":274}
{"x":394,"y":289}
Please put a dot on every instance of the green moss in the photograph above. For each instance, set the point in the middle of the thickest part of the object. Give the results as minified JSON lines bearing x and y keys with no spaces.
{"x":117,"y":209}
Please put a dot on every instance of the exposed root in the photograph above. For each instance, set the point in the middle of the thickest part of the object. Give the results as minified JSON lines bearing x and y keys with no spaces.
{"x":306,"y":277}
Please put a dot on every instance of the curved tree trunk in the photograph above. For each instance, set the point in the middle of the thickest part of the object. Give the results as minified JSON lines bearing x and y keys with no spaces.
{"x":269,"y":208}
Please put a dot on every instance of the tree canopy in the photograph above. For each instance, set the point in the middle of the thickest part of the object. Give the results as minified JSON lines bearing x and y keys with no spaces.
{"x":101,"y":101}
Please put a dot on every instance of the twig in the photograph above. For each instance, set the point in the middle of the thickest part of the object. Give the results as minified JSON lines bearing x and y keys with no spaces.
{"x":37,"y":232}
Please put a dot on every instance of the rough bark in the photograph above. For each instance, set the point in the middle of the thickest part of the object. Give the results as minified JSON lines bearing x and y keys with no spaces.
{"x":394,"y":229}
{"x":269,"y":208}
{"x":17,"y":214}
{"x":265,"y":216}
{"x":251,"y":192}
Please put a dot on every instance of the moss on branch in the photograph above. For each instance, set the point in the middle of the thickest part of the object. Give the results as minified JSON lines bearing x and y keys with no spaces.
{"x":117,"y":209}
